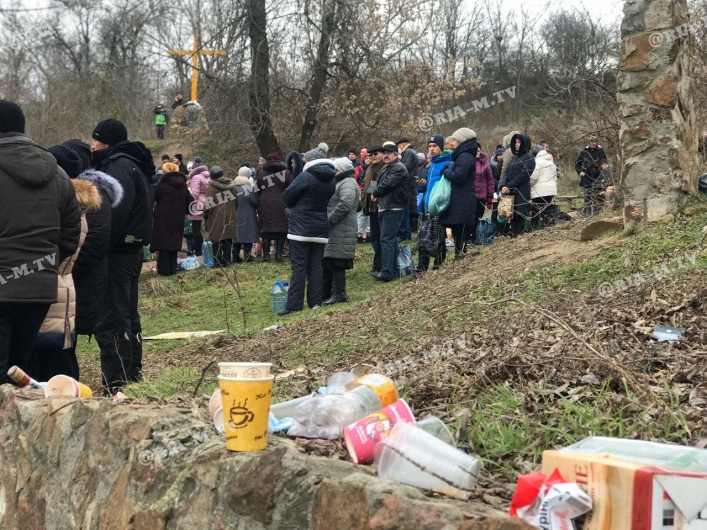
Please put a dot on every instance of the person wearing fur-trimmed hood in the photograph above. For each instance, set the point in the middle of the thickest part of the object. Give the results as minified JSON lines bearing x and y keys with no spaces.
{"x":294,"y":163}
{"x":55,"y":349}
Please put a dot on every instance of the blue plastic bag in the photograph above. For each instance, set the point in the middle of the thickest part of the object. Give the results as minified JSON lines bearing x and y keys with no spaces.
{"x":485,"y":231}
{"x":440,"y":197}
{"x":189,"y":263}
{"x":405,"y":263}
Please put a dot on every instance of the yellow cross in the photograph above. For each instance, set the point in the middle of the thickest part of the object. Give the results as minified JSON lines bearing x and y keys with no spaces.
{"x":195,"y":52}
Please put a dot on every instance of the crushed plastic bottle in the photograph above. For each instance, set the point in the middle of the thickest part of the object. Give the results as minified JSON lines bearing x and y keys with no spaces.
{"x":325,"y":416}
{"x":207,"y":254}
{"x":278,"y":297}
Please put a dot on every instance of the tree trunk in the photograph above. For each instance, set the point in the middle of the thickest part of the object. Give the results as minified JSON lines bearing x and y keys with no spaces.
{"x":319,"y":76}
{"x":259,"y":93}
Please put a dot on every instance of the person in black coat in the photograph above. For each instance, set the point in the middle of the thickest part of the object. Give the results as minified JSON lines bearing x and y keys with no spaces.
{"x":172,"y":200}
{"x":516,"y":181}
{"x":588,"y":167}
{"x":90,"y":271}
{"x":308,"y":231}
{"x":119,"y":334}
{"x":392,"y":195}
{"x":460,"y":215}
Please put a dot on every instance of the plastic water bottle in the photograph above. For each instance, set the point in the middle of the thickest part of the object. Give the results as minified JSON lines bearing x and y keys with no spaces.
{"x":325,"y":416}
{"x":207,"y":254}
{"x":278,"y":297}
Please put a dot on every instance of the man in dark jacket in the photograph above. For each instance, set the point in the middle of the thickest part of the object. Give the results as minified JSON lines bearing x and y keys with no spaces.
{"x":41,"y":226}
{"x":119,"y":333}
{"x":308,"y":229}
{"x":408,"y":156}
{"x":588,"y":167}
{"x":392,"y":196}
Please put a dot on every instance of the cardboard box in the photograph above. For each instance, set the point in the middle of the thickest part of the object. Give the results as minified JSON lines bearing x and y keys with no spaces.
{"x":634,"y":496}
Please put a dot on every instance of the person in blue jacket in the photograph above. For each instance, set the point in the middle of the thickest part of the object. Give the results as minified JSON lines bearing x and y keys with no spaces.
{"x":439,"y":159}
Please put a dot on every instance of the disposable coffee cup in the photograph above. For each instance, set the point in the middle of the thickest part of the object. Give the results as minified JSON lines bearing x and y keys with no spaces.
{"x":338,"y":380}
{"x":217,"y":416}
{"x":246,"y":408}
{"x":63,"y":385}
{"x":361,"y":437}
{"x":437,"y":428}
{"x":215,"y":402}
{"x":245,"y":370}
{"x":414,"y":457}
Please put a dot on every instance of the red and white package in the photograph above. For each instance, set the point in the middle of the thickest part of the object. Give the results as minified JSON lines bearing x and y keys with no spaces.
{"x":549,"y":502}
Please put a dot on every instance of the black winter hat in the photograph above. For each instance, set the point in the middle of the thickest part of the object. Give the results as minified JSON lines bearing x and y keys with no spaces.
{"x":437,"y":139}
{"x":82,"y":149}
{"x":215,"y":172}
{"x":12,"y":119}
{"x":67,"y":159}
{"x":110,"y":132}
{"x":166,"y":157}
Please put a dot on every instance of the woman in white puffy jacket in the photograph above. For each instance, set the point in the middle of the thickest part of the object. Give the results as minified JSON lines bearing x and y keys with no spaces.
{"x":543,"y":183}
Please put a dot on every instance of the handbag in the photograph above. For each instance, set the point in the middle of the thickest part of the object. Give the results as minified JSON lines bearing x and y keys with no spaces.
{"x":430,"y":237}
{"x":440,"y":197}
{"x":405,"y":264}
{"x":485,"y":231}
{"x":505,"y":207}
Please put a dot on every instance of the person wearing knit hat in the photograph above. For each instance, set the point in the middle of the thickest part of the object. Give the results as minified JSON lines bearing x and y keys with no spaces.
{"x":179,"y":160}
{"x":437,"y":139}
{"x":67,"y":159}
{"x":172,"y":204}
{"x":352,"y":156}
{"x":273,"y":157}
{"x":220,"y":215}
{"x":119,"y":332}
{"x":460,"y":215}
{"x":12,"y":119}
{"x":108,"y":133}
{"x":40,"y":220}
{"x":463,"y":134}
{"x":248,"y":202}
{"x":319,"y":152}
{"x":243,"y":172}
{"x":340,"y":250}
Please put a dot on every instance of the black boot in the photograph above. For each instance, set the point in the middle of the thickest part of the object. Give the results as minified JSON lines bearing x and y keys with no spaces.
{"x":266,"y":250}
{"x":339,"y":289}
{"x":279,"y":246}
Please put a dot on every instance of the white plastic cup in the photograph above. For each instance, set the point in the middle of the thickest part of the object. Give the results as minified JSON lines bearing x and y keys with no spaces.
{"x":338,"y":380}
{"x":415,"y":457}
{"x":245,"y":370}
{"x":217,"y":416}
{"x":215,"y":401}
{"x":437,"y":428}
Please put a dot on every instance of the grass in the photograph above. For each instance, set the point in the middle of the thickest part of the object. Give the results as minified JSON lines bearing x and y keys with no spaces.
{"x":203,"y":300}
{"x":505,"y":422}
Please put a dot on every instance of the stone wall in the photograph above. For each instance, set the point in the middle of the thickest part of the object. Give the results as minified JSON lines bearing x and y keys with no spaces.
{"x":96,"y":464}
{"x":658,"y":134}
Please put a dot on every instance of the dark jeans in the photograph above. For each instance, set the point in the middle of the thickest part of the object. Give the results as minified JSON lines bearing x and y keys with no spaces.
{"x":390,"y":221}
{"x":19,"y":325}
{"x":118,"y":331}
{"x":375,"y":237}
{"x":405,"y":228}
{"x":540,"y":207}
{"x":198,"y":238}
{"x":167,"y":262}
{"x":160,"y":132}
{"x":517,"y":225}
{"x":247,"y":249}
{"x":306,"y":261}
{"x":222,"y":252}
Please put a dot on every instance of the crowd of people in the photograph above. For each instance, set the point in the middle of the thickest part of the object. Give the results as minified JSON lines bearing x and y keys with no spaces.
{"x":76,"y":218}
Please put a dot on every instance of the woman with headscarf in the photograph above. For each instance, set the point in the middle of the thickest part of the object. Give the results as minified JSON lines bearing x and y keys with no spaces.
{"x":516,"y":181}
